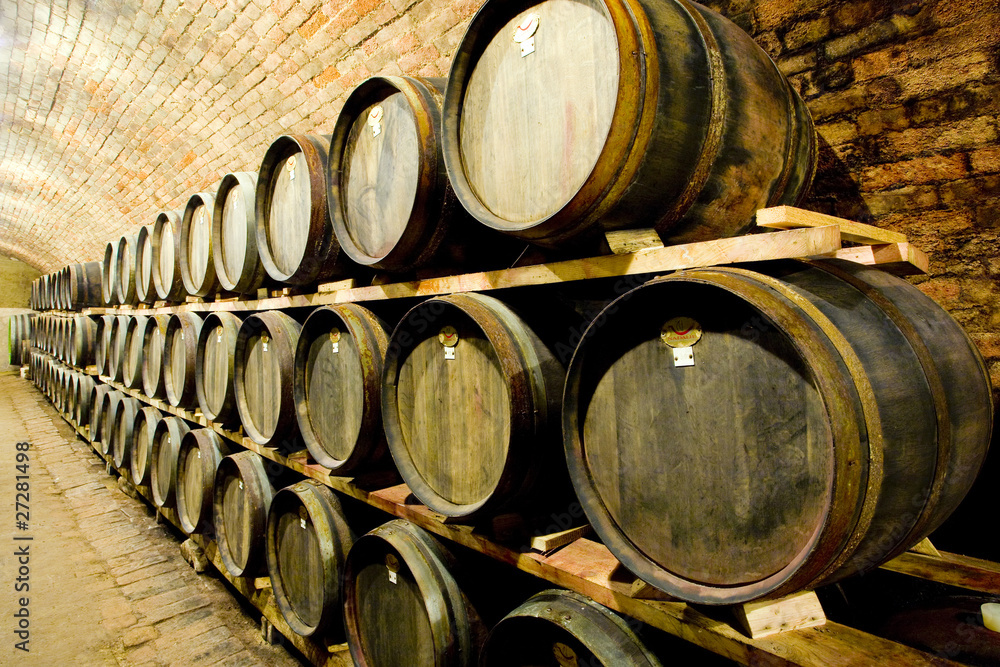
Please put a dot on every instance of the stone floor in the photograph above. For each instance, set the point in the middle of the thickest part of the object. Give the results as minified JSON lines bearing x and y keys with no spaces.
{"x":108,"y":585}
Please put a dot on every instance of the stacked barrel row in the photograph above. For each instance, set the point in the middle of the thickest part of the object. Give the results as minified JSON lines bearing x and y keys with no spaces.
{"x":322,"y":574}
{"x":551,"y":146}
{"x":74,"y":287}
{"x":19,"y":336}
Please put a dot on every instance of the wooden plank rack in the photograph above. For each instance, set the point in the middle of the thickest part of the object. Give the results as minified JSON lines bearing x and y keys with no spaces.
{"x":801,"y":234}
{"x":792,"y":631}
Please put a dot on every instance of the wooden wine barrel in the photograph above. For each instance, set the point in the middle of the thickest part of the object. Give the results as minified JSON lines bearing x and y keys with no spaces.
{"x":84,"y":285}
{"x":390,"y":199}
{"x":620,"y":114}
{"x":197,"y":462}
{"x":398,"y":576}
{"x":558,"y":627}
{"x":180,"y":346}
{"x":82,"y":341}
{"x":166,"y":257}
{"x":234,"y":235}
{"x":264,"y":362}
{"x":307,"y":542}
{"x":145,"y":290}
{"x":60,"y":289}
{"x":154,"y":337}
{"x":98,"y":403}
{"x":241,"y":500}
{"x":63,"y":339}
{"x":337,"y":387}
{"x":196,"y":256}
{"x":109,"y":275}
{"x":791,"y":454}
{"x":109,"y":417}
{"x":124,"y":432}
{"x":214,"y":367}
{"x":295,"y":237}
{"x":125,"y":284}
{"x":105,"y":325}
{"x":502,"y":384}
{"x":170,"y":431}
{"x":143,"y":435}
{"x":116,"y":348}
{"x":132,"y":365}
{"x":84,"y":395}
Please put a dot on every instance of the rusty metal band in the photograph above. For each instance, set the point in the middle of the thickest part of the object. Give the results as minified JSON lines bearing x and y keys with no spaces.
{"x":716,"y":127}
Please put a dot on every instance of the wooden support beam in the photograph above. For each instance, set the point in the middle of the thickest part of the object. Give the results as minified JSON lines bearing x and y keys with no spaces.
{"x":544,"y":543}
{"x":789,"y":217}
{"x":973,"y":574}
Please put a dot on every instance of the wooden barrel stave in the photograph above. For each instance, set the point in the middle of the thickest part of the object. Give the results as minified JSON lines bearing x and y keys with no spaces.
{"x":109,"y":275}
{"x":125,"y":270}
{"x":143,"y":433}
{"x":215,"y":368}
{"x":234,"y":235}
{"x":180,"y":347}
{"x":564,"y":628}
{"x":401,"y":603}
{"x":166,"y":268}
{"x":170,"y":431}
{"x":843,"y":456}
{"x":132,"y":362}
{"x":652,"y":101}
{"x":124,"y":432}
{"x":153,"y":338}
{"x":295,"y":238}
{"x":112,"y":404}
{"x":84,"y":396}
{"x":264,"y":362}
{"x":506,"y":387}
{"x":116,"y":348}
{"x":338,"y":394}
{"x":196,"y":262}
{"x":145,"y":289}
{"x":241,"y":500}
{"x":198,"y":460}
{"x":307,"y":542}
{"x":84,"y":285}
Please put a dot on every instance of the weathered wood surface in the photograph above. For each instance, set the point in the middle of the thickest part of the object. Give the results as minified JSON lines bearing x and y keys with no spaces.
{"x":198,"y":459}
{"x":170,"y":431}
{"x":166,"y":256}
{"x":974,"y":574}
{"x":241,"y":500}
{"x":153,"y":341}
{"x":264,"y":363}
{"x":180,"y":347}
{"x":552,"y":143}
{"x":790,"y":217}
{"x":772,"y":617}
{"x":143,"y":432}
{"x":215,"y":367}
{"x":196,"y":259}
{"x":234,"y":234}
{"x":125,"y":270}
{"x":337,"y":387}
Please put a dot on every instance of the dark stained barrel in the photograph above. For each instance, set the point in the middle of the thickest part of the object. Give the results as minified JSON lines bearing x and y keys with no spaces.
{"x":792,"y":453}
{"x":116,"y":348}
{"x":338,"y":384}
{"x":197,"y":264}
{"x":241,"y":500}
{"x":265,"y":358}
{"x":558,"y":627}
{"x":145,"y":290}
{"x":170,"y":431}
{"x":166,"y":257}
{"x":124,"y":432}
{"x":307,"y":542}
{"x":234,"y":235}
{"x":125,"y":283}
{"x":390,"y":200}
{"x":295,"y":237}
{"x":398,"y":576}
{"x":105,"y":325}
{"x":564,"y":117}
{"x":109,"y":275}
{"x":143,"y":432}
{"x":97,"y":402}
{"x":477,"y":368}
{"x":215,"y":367}
{"x":154,"y":336}
{"x":197,"y":462}
{"x":109,"y":415}
{"x":84,"y":285}
{"x":82,"y":341}
{"x":132,"y":359}
{"x":180,"y":346}
{"x":84,"y":396}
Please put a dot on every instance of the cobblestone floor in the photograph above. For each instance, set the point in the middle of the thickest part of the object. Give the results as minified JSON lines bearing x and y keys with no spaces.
{"x":107,"y":584}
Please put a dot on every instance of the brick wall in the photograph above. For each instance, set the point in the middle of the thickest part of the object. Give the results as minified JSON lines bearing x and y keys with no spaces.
{"x":116,"y":109}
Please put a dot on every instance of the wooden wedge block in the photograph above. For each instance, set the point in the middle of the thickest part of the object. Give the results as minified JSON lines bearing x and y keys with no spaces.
{"x":630,"y":240}
{"x":925,"y":547}
{"x":902,"y":259}
{"x":546,"y":543}
{"x":772,"y":617}
{"x":789,"y":217}
{"x":336,"y":286}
